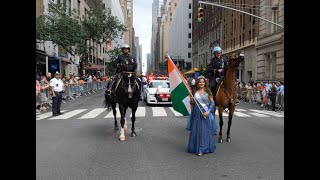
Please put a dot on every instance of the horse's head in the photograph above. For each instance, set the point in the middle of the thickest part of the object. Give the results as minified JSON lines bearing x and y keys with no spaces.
{"x":129,"y":84}
{"x":236,"y":59}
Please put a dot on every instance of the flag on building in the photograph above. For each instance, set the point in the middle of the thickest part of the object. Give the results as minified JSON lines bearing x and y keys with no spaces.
{"x":179,"y":89}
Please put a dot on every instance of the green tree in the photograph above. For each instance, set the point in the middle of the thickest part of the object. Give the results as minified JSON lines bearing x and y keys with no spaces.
{"x":113,"y":54}
{"x":77,"y":35}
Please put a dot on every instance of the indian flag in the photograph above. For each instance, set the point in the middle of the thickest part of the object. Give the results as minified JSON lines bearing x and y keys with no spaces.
{"x":179,"y":89}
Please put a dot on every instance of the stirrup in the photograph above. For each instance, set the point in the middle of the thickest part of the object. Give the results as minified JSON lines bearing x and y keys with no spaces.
{"x":108,"y":92}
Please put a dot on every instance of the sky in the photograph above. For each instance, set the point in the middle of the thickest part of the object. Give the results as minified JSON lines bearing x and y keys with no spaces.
{"x":142,"y":23}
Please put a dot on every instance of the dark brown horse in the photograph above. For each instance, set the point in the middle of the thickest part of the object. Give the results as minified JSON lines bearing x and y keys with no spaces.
{"x":226,"y":96}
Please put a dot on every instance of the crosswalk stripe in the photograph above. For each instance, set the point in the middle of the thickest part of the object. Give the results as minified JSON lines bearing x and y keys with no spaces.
{"x":176,"y":113}
{"x":141,"y":112}
{"x":268,"y":113}
{"x":241,"y":114}
{"x":259,"y":115}
{"x":110,"y":114}
{"x":240,"y":110}
{"x":158,"y":111}
{"x":92,"y":114}
{"x":69,"y":114}
{"x":46,"y":115}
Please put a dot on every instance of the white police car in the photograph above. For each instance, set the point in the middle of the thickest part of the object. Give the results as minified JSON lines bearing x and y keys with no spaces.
{"x":157,"y":92}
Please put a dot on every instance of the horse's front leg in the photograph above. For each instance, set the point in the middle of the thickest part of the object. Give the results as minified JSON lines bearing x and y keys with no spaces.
{"x":231,"y":111}
{"x":116,"y":127}
{"x":133,"y":119}
{"x":220,"y":140}
{"x":122,"y":110}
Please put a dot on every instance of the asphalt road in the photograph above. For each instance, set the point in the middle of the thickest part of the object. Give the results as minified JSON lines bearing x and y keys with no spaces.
{"x":82,"y":144}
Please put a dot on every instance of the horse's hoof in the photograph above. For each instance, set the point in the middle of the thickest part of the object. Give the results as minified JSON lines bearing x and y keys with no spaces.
{"x":116,"y":128}
{"x":228,"y":139}
{"x":220,"y":140}
{"x":133,"y":134}
{"x":122,"y":138}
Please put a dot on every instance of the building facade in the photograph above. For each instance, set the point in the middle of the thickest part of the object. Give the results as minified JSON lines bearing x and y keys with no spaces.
{"x":180,"y":30}
{"x":154,"y":28}
{"x":239,"y":33}
{"x":270,"y":42}
{"x":206,"y":34}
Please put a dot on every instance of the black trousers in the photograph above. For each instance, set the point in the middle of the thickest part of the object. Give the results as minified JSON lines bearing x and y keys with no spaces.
{"x":273,"y":102}
{"x":56,"y":103}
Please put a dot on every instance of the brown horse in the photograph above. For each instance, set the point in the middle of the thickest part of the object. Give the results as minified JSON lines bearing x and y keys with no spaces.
{"x":226,"y":96}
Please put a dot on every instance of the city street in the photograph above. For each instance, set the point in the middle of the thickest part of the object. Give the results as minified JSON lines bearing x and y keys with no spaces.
{"x":82,"y":144}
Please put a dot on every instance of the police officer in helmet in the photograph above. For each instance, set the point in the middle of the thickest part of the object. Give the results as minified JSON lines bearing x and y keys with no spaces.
{"x":124,"y":62}
{"x":216,"y":69}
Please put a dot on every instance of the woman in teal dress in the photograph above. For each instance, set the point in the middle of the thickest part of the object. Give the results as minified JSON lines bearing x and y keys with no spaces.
{"x":201,"y":123}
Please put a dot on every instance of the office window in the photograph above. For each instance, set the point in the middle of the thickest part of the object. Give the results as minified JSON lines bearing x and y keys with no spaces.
{"x":250,"y":16}
{"x":190,"y":16}
{"x":189,"y":25}
{"x":189,"y":45}
{"x":242,"y":39}
{"x":189,"y":5}
{"x":189,"y":54}
{"x":249,"y":36}
{"x":189,"y":35}
{"x":170,"y":14}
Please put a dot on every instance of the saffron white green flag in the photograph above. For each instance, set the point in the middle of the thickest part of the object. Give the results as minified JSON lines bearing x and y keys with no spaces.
{"x":179,"y":89}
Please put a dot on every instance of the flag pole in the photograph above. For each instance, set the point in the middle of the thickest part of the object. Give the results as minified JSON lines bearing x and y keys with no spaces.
{"x":184,"y":81}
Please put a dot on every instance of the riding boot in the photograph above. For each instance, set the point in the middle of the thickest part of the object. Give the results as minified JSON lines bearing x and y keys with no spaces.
{"x":110,"y":87}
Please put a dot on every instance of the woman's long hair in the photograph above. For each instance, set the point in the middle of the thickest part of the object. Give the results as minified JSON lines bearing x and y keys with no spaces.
{"x":206,"y":87}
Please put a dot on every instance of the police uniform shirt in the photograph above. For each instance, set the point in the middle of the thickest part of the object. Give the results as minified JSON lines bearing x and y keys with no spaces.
{"x":57,"y":84}
{"x":218,"y":64}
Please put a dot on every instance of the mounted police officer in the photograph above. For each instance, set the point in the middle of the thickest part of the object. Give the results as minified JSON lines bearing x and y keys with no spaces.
{"x":124,"y":62}
{"x":216,"y":69}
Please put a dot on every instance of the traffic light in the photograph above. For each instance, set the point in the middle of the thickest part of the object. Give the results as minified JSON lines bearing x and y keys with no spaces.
{"x":200,"y":14}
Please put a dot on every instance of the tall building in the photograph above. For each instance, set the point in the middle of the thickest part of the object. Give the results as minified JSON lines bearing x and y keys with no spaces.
{"x":157,"y":47}
{"x":155,"y":14}
{"x":130,"y":18}
{"x":140,"y":59}
{"x":180,"y":42}
{"x":240,"y":32}
{"x":116,"y":10}
{"x":167,"y":10}
{"x":138,"y":54}
{"x":148,"y":64}
{"x":127,"y":20}
{"x":39,"y":7}
{"x":270,"y":46}
{"x":206,"y":34}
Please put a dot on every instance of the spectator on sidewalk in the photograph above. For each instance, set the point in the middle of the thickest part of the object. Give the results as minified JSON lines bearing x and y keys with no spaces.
{"x":273,"y":96}
{"x":260,"y":88}
{"x":43,"y":93}
{"x":249,"y":92}
{"x":49,"y":77}
{"x":251,"y":82}
{"x":281,"y":92}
